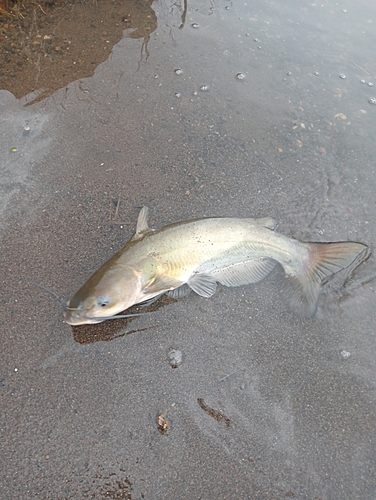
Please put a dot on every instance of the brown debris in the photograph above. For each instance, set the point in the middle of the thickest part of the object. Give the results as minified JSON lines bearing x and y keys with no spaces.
{"x":218,"y":415}
{"x":163,"y":425}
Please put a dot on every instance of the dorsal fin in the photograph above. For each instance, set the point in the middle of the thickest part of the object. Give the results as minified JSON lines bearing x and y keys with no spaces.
{"x":142,"y":221}
{"x":142,"y":224}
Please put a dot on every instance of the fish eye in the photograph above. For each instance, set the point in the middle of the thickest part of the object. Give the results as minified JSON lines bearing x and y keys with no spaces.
{"x":103,"y":300}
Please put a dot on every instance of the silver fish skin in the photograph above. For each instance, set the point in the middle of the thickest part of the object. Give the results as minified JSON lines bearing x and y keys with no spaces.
{"x":196,"y":254}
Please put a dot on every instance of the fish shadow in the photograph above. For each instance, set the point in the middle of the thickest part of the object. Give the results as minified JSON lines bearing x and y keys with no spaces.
{"x":117,"y":328}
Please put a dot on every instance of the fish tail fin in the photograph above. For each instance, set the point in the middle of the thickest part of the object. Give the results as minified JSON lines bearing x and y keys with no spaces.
{"x":323,"y":260}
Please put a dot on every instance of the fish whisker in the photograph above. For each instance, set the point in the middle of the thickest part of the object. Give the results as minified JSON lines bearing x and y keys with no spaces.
{"x":55,"y":295}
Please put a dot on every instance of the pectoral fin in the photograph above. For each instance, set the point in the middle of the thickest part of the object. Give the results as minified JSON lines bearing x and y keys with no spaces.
{"x":243,"y":273}
{"x":203,"y":284}
{"x":161,"y":284}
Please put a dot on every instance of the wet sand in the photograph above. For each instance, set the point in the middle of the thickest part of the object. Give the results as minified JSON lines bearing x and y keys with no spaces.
{"x":263,"y":405}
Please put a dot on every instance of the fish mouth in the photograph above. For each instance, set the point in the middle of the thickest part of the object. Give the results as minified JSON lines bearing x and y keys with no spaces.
{"x":80,"y":320}
{"x":75,"y":316}
{"x":93,"y":321}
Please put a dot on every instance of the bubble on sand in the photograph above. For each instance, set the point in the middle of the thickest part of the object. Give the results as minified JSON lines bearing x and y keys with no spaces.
{"x":345,"y":354}
{"x":240,"y":76}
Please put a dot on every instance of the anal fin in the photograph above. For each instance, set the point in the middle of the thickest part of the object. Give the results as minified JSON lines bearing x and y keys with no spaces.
{"x":244,"y":273}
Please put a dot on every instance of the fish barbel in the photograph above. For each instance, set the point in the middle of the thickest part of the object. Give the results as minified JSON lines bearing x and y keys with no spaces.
{"x":196,"y":254}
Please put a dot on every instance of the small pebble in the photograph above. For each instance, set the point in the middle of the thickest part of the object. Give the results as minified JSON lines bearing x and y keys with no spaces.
{"x":175,"y":357}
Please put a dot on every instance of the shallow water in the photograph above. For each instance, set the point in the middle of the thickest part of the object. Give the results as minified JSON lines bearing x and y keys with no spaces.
{"x":291,"y":139}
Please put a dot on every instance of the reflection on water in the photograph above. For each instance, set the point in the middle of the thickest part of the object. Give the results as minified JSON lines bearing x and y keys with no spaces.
{"x":47,"y":48}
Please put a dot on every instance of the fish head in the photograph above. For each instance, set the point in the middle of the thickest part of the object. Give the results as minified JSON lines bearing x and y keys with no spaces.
{"x":104,"y":295}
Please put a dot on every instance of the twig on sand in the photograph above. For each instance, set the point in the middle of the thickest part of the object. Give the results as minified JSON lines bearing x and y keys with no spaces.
{"x":357,"y":65}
